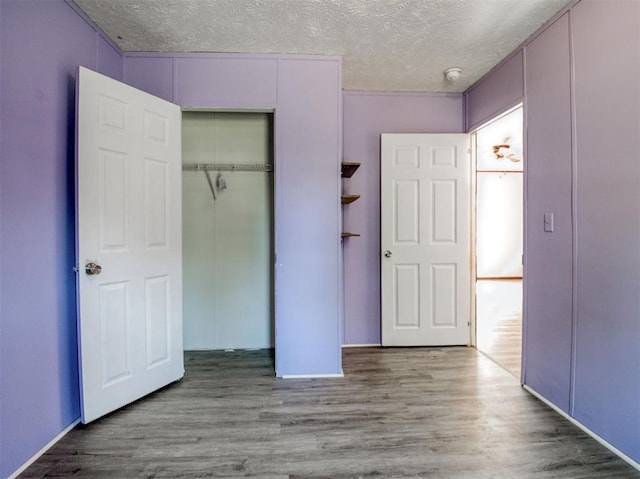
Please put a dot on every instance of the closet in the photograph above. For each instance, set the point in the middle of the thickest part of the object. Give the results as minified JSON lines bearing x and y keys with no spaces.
{"x":227,"y":194}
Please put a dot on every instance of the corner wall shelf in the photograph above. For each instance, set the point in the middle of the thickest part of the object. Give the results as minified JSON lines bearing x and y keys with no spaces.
{"x":346,"y":199}
{"x":349,"y":168}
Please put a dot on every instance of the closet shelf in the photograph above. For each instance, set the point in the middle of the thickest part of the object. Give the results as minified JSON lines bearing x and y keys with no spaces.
{"x":349,"y":168}
{"x":346,"y":199}
{"x":349,"y":235}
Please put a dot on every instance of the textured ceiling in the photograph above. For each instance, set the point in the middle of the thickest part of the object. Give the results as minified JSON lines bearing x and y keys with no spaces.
{"x":386,"y":45}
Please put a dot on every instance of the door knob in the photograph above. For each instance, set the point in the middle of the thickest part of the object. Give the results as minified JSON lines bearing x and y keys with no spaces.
{"x":92,"y":269}
{"x":387,"y":254}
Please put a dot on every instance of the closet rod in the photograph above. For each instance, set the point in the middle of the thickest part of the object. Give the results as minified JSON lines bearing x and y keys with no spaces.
{"x":227,"y":167}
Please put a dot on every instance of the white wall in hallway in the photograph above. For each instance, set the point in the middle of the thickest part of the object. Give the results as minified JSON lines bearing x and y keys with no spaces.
{"x":227,"y":241}
{"x":499,"y":197}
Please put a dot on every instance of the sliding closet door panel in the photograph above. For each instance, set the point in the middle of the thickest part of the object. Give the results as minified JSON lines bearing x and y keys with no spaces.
{"x":242,"y":233}
{"x":227,"y":229}
{"x":197,"y":226}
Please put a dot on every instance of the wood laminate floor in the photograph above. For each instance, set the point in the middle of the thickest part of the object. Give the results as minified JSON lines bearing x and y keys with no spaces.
{"x":499,"y":322}
{"x":397,"y":413}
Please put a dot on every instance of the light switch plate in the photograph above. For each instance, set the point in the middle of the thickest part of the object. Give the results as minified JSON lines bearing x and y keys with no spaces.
{"x":548,"y":222}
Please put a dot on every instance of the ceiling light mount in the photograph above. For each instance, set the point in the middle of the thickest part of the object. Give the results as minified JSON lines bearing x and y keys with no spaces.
{"x":453,"y":74}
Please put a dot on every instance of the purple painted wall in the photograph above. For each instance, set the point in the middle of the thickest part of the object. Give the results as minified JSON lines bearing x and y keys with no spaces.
{"x":153,"y":74}
{"x":307,"y":218}
{"x":306,"y":96}
{"x":582,"y":116}
{"x":495,"y":93}
{"x":607,"y":335}
{"x":109,"y":60}
{"x":366,"y":116}
{"x":42,"y":44}
{"x":227,"y":81}
{"x":549,"y":269}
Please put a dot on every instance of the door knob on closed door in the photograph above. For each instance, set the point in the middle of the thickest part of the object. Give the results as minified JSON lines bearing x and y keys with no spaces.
{"x":387,"y":253}
{"x":92,"y":269}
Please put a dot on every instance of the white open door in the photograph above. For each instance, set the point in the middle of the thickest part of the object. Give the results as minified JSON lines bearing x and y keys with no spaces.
{"x":129,"y":246}
{"x":425,"y":239}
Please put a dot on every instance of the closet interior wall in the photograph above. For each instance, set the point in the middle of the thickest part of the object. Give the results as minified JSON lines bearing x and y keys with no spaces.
{"x":227,"y":232}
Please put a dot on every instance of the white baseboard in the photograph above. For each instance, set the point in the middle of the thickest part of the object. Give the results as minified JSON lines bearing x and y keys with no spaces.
{"x":584,"y":428}
{"x":373,"y":345}
{"x":312,"y":376}
{"x":48,"y":446}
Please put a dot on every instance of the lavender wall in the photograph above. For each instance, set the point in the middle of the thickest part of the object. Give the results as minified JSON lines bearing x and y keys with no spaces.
{"x":366,"y":116}
{"x":307,"y":218}
{"x":607,"y":127}
{"x":305,"y":94}
{"x":549,"y":267}
{"x":495,"y":93}
{"x":153,"y":74}
{"x":583,"y":149}
{"x":42,"y":44}
{"x":231,"y":82}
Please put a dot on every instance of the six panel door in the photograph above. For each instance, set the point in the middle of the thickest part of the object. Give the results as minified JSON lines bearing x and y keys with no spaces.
{"x":129,"y":245}
{"x":425,"y":239}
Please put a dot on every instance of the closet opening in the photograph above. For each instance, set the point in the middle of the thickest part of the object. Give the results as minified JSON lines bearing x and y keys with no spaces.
{"x":499,"y":202}
{"x":228,"y":230}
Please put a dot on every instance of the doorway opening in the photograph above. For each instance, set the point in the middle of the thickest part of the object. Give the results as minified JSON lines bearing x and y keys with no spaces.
{"x":499,"y":176}
{"x":228,"y":230}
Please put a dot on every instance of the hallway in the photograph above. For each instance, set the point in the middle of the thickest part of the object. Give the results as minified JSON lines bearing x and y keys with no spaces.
{"x":397,"y":413}
{"x":499,"y":322}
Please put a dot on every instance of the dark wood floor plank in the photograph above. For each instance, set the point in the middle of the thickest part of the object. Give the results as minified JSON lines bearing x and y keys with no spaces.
{"x":398,"y":413}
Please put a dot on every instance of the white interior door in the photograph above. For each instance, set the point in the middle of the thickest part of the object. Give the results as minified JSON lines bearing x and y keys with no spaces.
{"x":129,"y":224}
{"x":425,"y":239}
